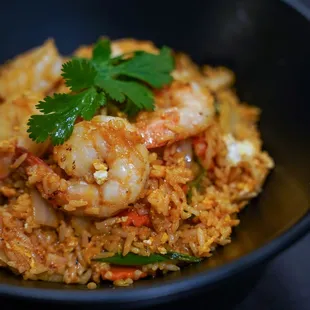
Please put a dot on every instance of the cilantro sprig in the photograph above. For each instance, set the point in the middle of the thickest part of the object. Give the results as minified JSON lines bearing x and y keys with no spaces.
{"x":126,"y":79}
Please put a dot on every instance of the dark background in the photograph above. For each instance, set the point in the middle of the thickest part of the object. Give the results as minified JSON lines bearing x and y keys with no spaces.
{"x":285,"y":282}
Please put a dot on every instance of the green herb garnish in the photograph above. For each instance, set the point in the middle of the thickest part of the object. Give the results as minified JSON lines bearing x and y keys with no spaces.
{"x":217,"y":107}
{"x":183,"y":257}
{"x":124,"y":79}
{"x":197,"y":181}
{"x":132,"y":259}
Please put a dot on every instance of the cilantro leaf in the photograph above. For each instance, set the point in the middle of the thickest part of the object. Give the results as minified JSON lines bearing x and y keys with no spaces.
{"x":58,"y":127}
{"x":131,"y":109}
{"x":101,"y":51}
{"x":90,"y":102}
{"x":79,"y":74}
{"x":60,"y":113}
{"x":139,"y":94}
{"x":150,"y":68}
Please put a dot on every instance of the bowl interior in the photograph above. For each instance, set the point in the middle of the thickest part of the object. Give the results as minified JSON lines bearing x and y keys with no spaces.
{"x":265,"y":42}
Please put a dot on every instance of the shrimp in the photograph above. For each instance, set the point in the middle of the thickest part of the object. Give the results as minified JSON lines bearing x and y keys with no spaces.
{"x":106,"y":163}
{"x":14,"y":116}
{"x":217,"y":78}
{"x":234,"y":132}
{"x":182,"y":110}
{"x":37,"y":70}
{"x":186,"y":70}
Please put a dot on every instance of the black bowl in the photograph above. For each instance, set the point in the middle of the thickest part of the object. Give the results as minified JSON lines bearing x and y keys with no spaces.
{"x":267,"y":44}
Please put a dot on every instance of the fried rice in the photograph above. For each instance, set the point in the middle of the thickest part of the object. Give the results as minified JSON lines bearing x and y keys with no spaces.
{"x":189,"y":203}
